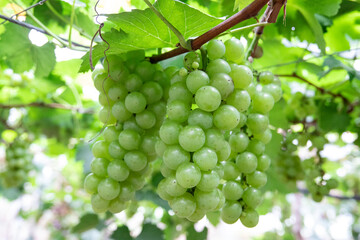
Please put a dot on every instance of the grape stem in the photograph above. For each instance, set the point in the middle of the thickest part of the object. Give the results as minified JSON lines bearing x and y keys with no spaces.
{"x":48,"y":105}
{"x":248,"y":12}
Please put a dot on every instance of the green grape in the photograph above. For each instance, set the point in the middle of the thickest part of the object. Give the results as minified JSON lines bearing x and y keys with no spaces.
{"x":257,"y":123}
{"x":108,"y":189}
{"x":91,"y":183}
{"x":251,"y":89}
{"x":161,"y":190}
{"x":101,"y":83}
{"x":222,"y":200}
{"x":160,"y":148}
{"x":197,"y":215}
{"x":332,"y":183}
{"x":120,"y":112}
{"x":274,"y":90}
{"x":133,"y":83}
{"x":241,"y":75}
{"x":137,"y":182}
{"x":179,"y":91}
{"x":116,"y":205}
{"x":177,"y":78}
{"x":252,"y":197}
{"x":99,"y":204}
{"x":106,"y":117}
{"x":148,"y":144}
{"x":206,"y":200}
{"x":100,"y":149}
{"x":118,"y":170}
{"x":178,"y":111}
{"x":226,"y":117}
{"x":152,"y":92}
{"x":223,"y":83}
{"x":264,"y":162}
{"x":240,"y":99}
{"x":246,"y":162}
{"x":183,"y":72}
{"x":135,"y":102}
{"x":131,"y":124}
{"x":266,"y":77}
{"x":242,"y":121}
{"x":238,"y":142}
{"x":196,"y":80}
{"x":200,"y":118}
{"x":209,"y":181}
{"x":103,"y":100}
{"x":231,"y":171}
{"x":146,"y":119}
{"x":165,"y":171}
{"x":264,"y":137}
{"x":208,"y":98}
{"x":145,"y":70}
{"x":190,"y":58}
{"x":215,"y":49}
{"x":217,"y":66}
{"x":188,"y":175}
{"x":234,"y":50}
{"x":110,"y":134}
{"x":262,"y":102}
{"x":184,"y":205}
{"x":224,"y":152}
{"x":135,"y":160}
{"x":256,"y":147}
{"x":169,"y":132}
{"x":232,"y":190}
{"x":256,"y":179}
{"x":129,"y":139}
{"x":231,"y":212}
{"x":99,"y":166}
{"x":127,"y":192}
{"x":159,"y":109}
{"x":173,"y":188}
{"x":205,"y":158}
{"x":317,"y":197}
{"x":191,"y":138}
{"x":174,"y":156}
{"x":249,"y":218}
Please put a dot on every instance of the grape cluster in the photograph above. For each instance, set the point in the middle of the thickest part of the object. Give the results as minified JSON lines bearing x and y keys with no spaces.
{"x":213,"y":140}
{"x":134,"y":110}
{"x":18,"y":164}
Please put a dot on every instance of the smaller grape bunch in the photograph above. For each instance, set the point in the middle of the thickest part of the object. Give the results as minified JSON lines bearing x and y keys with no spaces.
{"x":133,"y":109}
{"x":213,"y":140}
{"x":18,"y":163}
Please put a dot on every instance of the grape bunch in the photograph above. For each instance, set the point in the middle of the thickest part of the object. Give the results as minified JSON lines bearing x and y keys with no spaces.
{"x":18,"y":163}
{"x":133,"y":109}
{"x":213,"y":140}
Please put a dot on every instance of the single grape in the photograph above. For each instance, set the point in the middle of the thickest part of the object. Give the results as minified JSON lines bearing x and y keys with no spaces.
{"x":231,"y":212}
{"x":226,"y":117}
{"x":173,"y":188}
{"x":215,"y":49}
{"x":264,"y":137}
{"x":135,"y":160}
{"x":246,"y":162}
{"x":257,"y":123}
{"x":99,"y":204}
{"x":174,"y":156}
{"x":264,"y":162}
{"x":152,"y":92}
{"x":188,"y":175}
{"x":99,"y":166}
{"x":200,"y":118}
{"x":133,"y":83}
{"x":91,"y":183}
{"x":179,"y":91}
{"x":129,"y":139}
{"x":100,"y":149}
{"x":196,"y":80}
{"x":116,"y":205}
{"x":184,"y":205}
{"x":178,"y":111}
{"x":197,"y":215}
{"x":256,"y":179}
{"x":223,"y":83}
{"x":256,"y":147}
{"x":118,"y":170}
{"x":262,"y":102}
{"x":120,"y":112}
{"x":208,"y":98}
{"x":146,"y":119}
{"x":209,"y":181}
{"x":217,"y":66}
{"x":191,"y":138}
{"x":274,"y":90}
{"x":135,"y":102}
{"x":238,"y":142}
{"x":169,"y":132}
{"x":266,"y":77}
{"x":234,"y":50}
{"x":206,"y":200}
{"x":240,"y":99}
{"x":249,"y":218}
{"x":145,"y":70}
{"x":110,"y":134}
{"x":252,"y":197}
{"x":205,"y":158}
{"x":231,"y":171}
{"x":108,"y":189}
{"x":232,"y":190}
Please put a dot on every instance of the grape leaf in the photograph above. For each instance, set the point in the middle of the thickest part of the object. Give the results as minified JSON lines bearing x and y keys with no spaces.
{"x":122,"y":233}
{"x":87,"y":221}
{"x":153,"y":197}
{"x":193,"y":234}
{"x":330,"y":119}
{"x":21,"y":55}
{"x":150,"y":232}
{"x":240,"y":4}
{"x":213,"y":217}
{"x":324,"y":7}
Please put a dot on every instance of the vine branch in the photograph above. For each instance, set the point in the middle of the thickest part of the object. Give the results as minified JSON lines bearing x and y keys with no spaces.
{"x":48,"y":105}
{"x":248,"y":12}
{"x":339,"y":197}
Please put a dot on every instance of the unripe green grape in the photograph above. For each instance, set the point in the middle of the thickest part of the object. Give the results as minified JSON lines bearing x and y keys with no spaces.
{"x":240,"y":99}
{"x":148,"y":144}
{"x":215,"y":49}
{"x":152,"y":92}
{"x":207,"y":201}
{"x":188,"y":175}
{"x":252,"y":197}
{"x":165,"y":170}
{"x":103,"y":100}
{"x":222,"y":200}
{"x":120,"y":112}
{"x":239,"y":142}
{"x":274,"y":90}
{"x":118,"y":170}
{"x":224,"y":152}
{"x":91,"y":183}
{"x":160,"y":147}
{"x":100,"y":149}
{"x":205,"y":158}
{"x":226,"y":117}
{"x":262,"y":102}
{"x":197,"y":215}
{"x":231,"y":212}
{"x":99,"y":204}
{"x":200,"y":118}
{"x":251,"y":89}
{"x":127,"y":192}
{"x":135,"y":160}
{"x":135,"y":102}
{"x":231,"y":171}
{"x":257,"y":123}
{"x":106,"y":117}
{"x":217,"y":66}
{"x":178,"y":111}
{"x":99,"y":166}
{"x":195,"y":65}
{"x":183,"y":72}
{"x":110,"y":134}
{"x":209,"y":181}
{"x":133,"y":83}
{"x":146,"y":119}
{"x":256,"y":147}
{"x":266,"y":77}
{"x":169,"y":132}
{"x":159,"y":109}
{"x":116,"y":205}
{"x":184,"y":205}
{"x":332,"y":183}
{"x":246,"y":162}
{"x":137,"y":182}
{"x":179,"y":91}
{"x":145,"y":70}
{"x":256,"y":179}
{"x":191,"y":138}
{"x":234,"y":50}
{"x":232,"y":190}
{"x":208,"y":98}
{"x":173,"y":188}
{"x":102,"y":83}
{"x":108,"y":189}
{"x":264,"y":162}
{"x":131,"y":124}
{"x":174,"y":156}
{"x":177,"y":78}
{"x":264,"y":137}
{"x":190,"y":58}
{"x":223,"y":83}
{"x":317,"y":197}
{"x":129,"y":139}
{"x":249,"y":218}
{"x":241,"y":75}
{"x":161,"y":190}
{"x":196,"y":80}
